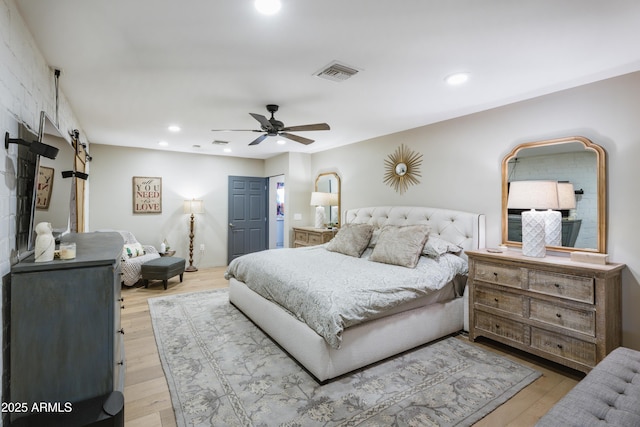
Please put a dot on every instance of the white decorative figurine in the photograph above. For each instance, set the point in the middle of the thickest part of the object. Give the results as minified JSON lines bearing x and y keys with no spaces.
{"x":45,"y":243}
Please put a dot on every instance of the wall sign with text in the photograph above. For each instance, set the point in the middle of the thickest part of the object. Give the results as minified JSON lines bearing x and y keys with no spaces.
{"x":147,"y":194}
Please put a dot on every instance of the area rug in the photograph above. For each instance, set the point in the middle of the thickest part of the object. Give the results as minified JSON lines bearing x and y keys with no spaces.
{"x":222,"y":370}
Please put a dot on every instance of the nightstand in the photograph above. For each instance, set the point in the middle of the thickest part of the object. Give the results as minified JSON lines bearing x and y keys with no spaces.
{"x":565,"y":311}
{"x":309,"y":236}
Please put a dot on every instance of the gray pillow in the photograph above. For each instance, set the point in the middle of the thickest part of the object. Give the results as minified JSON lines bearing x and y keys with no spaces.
{"x":400,"y":245}
{"x":351,"y":239}
{"x":437,"y":246}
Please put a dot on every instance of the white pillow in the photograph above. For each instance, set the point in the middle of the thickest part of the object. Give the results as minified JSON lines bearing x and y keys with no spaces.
{"x":132,"y":250}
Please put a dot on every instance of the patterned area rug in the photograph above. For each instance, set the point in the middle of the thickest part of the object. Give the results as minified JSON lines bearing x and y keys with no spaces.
{"x":224,"y":371}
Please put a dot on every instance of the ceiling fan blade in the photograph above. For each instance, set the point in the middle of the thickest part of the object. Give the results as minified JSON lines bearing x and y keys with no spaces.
{"x":296,"y":138}
{"x":236,"y":130}
{"x":301,"y":128}
{"x":259,"y":139}
{"x":266,"y":124}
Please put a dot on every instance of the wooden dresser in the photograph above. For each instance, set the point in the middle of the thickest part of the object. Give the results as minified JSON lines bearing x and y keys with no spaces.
{"x":309,"y":236}
{"x":561,"y":310}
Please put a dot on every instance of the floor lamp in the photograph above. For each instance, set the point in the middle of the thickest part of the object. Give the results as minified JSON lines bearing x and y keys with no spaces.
{"x":192,"y":207}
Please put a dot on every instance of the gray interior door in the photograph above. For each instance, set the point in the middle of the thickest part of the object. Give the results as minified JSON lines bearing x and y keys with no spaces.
{"x":247,"y":216}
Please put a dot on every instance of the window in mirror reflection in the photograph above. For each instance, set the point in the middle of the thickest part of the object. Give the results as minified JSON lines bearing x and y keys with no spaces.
{"x":579,"y":168}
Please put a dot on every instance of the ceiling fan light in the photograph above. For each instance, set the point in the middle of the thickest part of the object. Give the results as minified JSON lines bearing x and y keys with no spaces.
{"x":281,"y":141}
{"x":267,"y":7}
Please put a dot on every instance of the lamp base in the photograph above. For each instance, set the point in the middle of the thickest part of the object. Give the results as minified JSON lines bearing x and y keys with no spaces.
{"x":533,"y":235}
{"x":191,"y":268}
{"x":320,"y":217}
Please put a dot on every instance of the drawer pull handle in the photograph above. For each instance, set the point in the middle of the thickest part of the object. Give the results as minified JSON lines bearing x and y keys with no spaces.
{"x":560,"y":346}
{"x":122,"y":307}
{"x":557,"y":285}
{"x":558,"y":315}
{"x":121,"y":363}
{"x":497,"y":326}
{"x":121,"y":299}
{"x":121,"y":331}
{"x":495,"y":299}
{"x":495,"y":275}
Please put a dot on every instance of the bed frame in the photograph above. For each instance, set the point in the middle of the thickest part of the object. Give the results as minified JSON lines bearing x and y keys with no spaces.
{"x":378,"y":339}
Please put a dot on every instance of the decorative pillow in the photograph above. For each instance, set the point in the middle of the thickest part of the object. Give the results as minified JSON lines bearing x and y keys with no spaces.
{"x":400,"y":245}
{"x":437,"y":246}
{"x":351,"y":239}
{"x":132,"y":250}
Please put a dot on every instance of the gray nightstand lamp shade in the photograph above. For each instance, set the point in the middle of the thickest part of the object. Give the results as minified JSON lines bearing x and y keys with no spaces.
{"x":192,"y":207}
{"x":537,"y":195}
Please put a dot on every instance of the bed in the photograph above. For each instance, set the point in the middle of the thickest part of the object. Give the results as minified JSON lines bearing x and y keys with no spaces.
{"x":410,"y":322}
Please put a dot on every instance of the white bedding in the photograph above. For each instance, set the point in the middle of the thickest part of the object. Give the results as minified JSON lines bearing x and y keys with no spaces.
{"x":331,"y":292}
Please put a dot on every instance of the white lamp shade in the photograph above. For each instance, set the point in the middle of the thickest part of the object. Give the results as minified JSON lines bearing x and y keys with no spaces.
{"x":320,"y":199}
{"x":533,"y":195}
{"x":566,"y":196}
{"x":193,"y":206}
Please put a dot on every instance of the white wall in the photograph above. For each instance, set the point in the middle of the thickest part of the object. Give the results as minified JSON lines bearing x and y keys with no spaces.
{"x":462,"y":159}
{"x":184,"y":176}
{"x":26,"y":89}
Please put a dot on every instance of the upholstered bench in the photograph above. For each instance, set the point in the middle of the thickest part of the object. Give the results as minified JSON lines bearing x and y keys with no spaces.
{"x":608,"y":395}
{"x":162,"y":268}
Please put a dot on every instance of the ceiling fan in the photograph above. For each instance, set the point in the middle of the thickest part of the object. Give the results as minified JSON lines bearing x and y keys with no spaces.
{"x":273,"y":127}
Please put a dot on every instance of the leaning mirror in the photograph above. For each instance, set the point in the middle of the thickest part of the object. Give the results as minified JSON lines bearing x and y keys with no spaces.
{"x":330,"y":183}
{"x":578,"y":166}
{"x":53,"y":200}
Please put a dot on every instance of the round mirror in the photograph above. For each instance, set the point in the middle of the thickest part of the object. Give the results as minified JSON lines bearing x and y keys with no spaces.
{"x":401,"y":169}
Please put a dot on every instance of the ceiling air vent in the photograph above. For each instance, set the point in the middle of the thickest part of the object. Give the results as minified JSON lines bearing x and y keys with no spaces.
{"x":218,"y":142}
{"x":336,"y":72}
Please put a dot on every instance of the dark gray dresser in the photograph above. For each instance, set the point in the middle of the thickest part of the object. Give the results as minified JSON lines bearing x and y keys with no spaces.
{"x":66,"y":346}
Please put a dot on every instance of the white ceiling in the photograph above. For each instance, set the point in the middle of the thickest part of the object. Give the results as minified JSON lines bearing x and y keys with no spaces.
{"x":132,"y":68}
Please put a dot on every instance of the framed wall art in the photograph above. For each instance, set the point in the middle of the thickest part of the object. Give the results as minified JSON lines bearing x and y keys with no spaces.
{"x":147,"y":194}
{"x":45,"y":185}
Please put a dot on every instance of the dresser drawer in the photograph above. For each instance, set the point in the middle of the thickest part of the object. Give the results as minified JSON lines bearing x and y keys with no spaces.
{"x":502,"y":275}
{"x":563,"y":346}
{"x":504,"y":301}
{"x":496,"y":325}
{"x":576,"y":320}
{"x":575,"y":288}
{"x":301,"y":236}
{"x":315,"y":239}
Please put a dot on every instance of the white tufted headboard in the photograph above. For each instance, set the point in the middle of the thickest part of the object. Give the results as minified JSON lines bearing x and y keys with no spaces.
{"x":465,"y":229}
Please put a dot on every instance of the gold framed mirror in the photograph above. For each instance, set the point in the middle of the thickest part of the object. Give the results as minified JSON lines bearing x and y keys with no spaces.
{"x":573,"y":160}
{"x":329,"y":182}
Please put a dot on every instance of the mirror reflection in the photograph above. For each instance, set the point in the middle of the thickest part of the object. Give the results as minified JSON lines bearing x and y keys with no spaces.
{"x":577,"y":165}
{"x":330,"y":183}
{"x":53,"y":192}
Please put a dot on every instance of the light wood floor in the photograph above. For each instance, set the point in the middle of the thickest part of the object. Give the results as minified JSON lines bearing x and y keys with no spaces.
{"x":147,"y":401}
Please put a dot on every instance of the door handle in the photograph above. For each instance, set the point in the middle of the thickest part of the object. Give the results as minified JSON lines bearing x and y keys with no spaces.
{"x":231,"y":224}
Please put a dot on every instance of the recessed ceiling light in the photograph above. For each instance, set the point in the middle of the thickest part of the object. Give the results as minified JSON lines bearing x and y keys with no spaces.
{"x":457,"y":78}
{"x":174,"y":128}
{"x":227,"y":150}
{"x":163,"y":143}
{"x":281,"y":141}
{"x":267,"y":7}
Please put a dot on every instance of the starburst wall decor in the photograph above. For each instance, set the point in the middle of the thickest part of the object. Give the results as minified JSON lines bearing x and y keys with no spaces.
{"x":402,"y":169}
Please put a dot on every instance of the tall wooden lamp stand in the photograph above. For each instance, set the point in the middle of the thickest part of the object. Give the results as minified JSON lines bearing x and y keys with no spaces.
{"x":192,"y":207}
